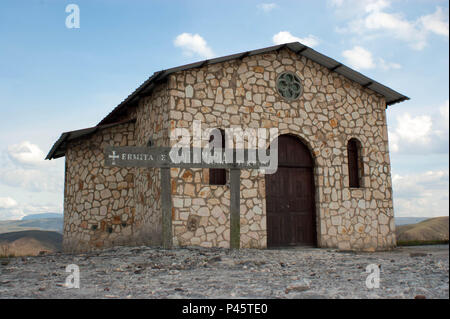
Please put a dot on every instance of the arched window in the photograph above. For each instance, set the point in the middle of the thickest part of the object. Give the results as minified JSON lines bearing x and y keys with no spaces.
{"x":217,"y":176}
{"x":355,"y":168}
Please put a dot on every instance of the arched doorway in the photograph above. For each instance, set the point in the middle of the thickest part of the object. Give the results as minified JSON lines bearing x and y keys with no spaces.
{"x":290,"y":203}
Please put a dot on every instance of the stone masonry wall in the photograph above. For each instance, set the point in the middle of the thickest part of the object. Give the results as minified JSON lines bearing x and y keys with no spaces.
{"x":99,"y":206}
{"x":331,"y":110}
{"x":152,"y":125}
{"x":114,"y":206}
{"x":106,"y":207}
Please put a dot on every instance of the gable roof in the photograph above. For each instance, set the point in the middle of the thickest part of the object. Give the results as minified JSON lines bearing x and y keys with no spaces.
{"x":390,"y":95}
{"x":112,"y":119}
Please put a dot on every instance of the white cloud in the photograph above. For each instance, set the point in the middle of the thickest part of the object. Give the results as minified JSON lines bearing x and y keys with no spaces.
{"x":336,"y":3}
{"x":370,"y":19}
{"x":7,"y":202}
{"x":421,"y":194}
{"x":359,"y":58}
{"x":411,"y":133}
{"x":27,"y":177}
{"x":286,"y":37}
{"x":376,"y":5}
{"x":353,"y":9}
{"x":436,"y":22}
{"x":443,"y":110}
{"x":421,"y":134}
{"x":11,"y":214}
{"x":193,"y":44}
{"x":414,"y":129}
{"x":26,"y":153}
{"x":23,"y":166}
{"x":9,"y":209}
{"x":18,"y":211}
{"x":267,"y":7}
{"x":397,"y":26}
{"x":386,"y":66}
{"x":33,"y":179}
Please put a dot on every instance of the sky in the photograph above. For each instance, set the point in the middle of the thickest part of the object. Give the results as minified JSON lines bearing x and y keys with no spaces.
{"x":59,"y":73}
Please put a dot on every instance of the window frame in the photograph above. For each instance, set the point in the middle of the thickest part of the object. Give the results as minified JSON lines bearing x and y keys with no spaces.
{"x":354,"y":163}
{"x":218,"y":176}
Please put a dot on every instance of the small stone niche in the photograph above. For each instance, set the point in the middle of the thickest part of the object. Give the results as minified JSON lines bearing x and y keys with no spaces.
{"x":192,"y":223}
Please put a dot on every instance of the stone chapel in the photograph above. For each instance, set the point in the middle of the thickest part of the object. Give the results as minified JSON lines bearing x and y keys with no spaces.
{"x":332,"y":187}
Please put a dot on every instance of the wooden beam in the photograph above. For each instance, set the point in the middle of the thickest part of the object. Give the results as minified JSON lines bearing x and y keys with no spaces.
{"x":235,"y":205}
{"x":243,"y":55}
{"x":203,"y":63}
{"x":166,"y":208}
{"x":301,"y":50}
{"x":334,"y":68}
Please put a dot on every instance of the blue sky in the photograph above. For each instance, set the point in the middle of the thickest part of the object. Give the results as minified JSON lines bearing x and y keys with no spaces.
{"x":55,"y":79}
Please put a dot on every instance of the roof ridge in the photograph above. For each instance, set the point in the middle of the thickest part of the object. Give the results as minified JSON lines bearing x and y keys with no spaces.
{"x":296,"y":47}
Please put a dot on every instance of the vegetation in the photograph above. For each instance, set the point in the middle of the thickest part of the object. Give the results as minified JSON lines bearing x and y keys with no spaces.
{"x":421,"y":242}
{"x":29,"y":243}
{"x":5,"y":251}
{"x":431,"y":231}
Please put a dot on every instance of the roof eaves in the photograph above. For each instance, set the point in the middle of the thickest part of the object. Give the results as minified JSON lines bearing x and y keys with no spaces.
{"x":405,"y":98}
{"x":58,"y":149}
{"x":55,"y":147}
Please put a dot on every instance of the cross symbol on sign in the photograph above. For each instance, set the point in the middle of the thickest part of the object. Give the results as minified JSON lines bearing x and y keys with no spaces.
{"x":114,"y":157}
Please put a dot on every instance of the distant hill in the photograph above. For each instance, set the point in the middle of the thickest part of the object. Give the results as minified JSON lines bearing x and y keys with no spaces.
{"x":44,"y":224}
{"x":44,"y":215}
{"x":29,"y":242}
{"x":408,"y":220}
{"x":433,"y":229}
{"x":54,"y":224}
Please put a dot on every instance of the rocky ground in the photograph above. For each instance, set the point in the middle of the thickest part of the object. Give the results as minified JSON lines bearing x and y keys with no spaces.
{"x":145,"y":272}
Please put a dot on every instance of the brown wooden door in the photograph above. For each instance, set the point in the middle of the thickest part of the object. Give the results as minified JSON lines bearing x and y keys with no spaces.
{"x":290,"y":196}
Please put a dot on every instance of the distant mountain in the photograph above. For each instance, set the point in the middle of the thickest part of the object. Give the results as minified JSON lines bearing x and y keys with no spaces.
{"x":408,"y":220}
{"x":44,"y":215}
{"x":55,"y":224}
{"x":29,"y":243}
{"x":44,"y":224}
{"x":433,"y":229}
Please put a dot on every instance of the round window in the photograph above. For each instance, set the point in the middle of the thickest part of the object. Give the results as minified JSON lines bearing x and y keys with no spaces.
{"x":289,"y":86}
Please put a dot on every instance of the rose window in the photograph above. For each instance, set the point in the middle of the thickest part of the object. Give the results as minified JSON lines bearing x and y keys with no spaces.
{"x":289,"y":86}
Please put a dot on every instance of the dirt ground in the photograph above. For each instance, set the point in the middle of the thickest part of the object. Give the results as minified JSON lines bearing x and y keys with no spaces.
{"x":146,"y":272}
